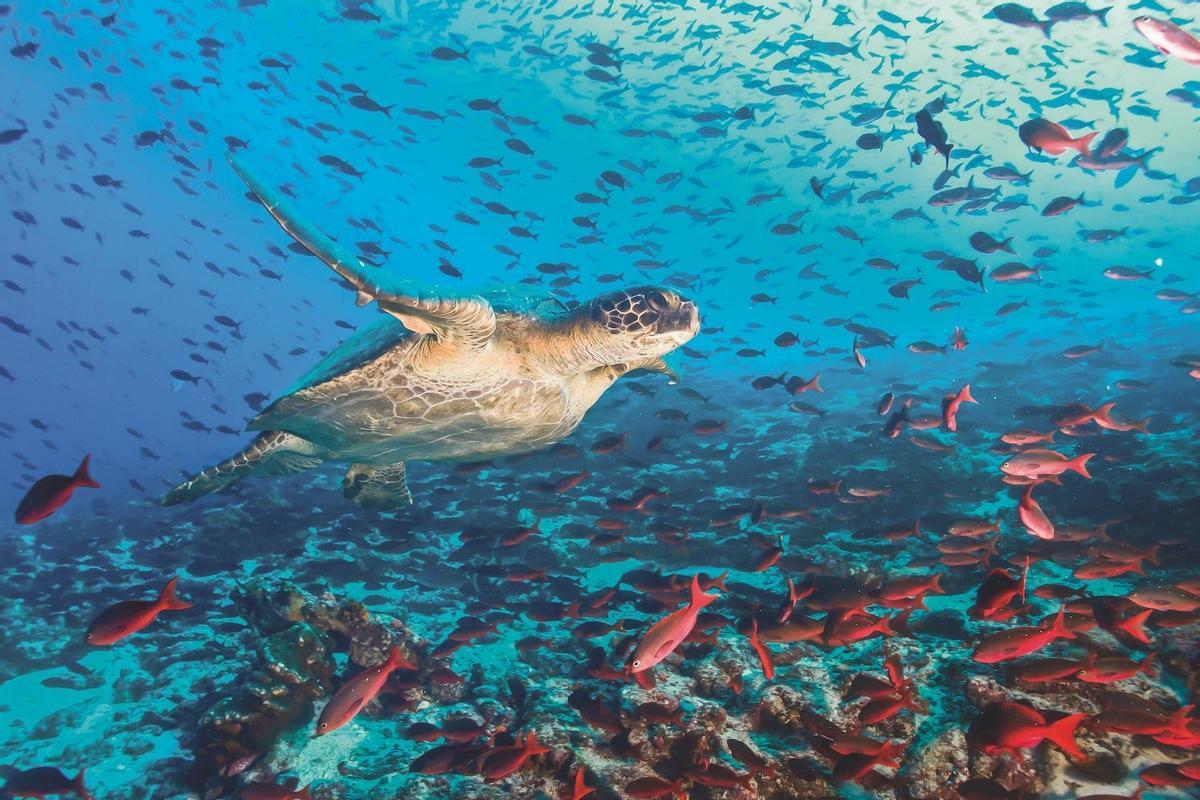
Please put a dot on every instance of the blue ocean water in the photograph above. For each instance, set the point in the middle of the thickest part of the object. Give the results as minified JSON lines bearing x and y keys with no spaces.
{"x":545,"y":154}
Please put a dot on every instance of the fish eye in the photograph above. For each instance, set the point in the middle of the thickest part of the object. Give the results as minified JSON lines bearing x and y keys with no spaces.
{"x":637,"y":662}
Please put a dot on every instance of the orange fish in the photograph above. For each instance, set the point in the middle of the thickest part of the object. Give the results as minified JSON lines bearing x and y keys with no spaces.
{"x":580,"y":790}
{"x":1021,"y":641}
{"x":270,"y":791}
{"x":504,"y":761}
{"x":764,"y":655}
{"x":51,"y":492}
{"x":950,"y":405}
{"x":355,"y":693}
{"x":1033,"y":517}
{"x":1050,"y":137}
{"x":1015,"y":727}
{"x":130,"y":616}
{"x":666,"y":634}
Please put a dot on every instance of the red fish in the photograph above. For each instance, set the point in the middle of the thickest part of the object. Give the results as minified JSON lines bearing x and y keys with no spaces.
{"x":580,"y":789}
{"x":764,"y":655}
{"x":504,"y":761}
{"x":950,"y":405}
{"x":1033,"y":517}
{"x":270,"y":791}
{"x":51,"y":492}
{"x":570,"y":482}
{"x":355,"y":693}
{"x":997,"y":591}
{"x":1015,"y":727}
{"x":44,"y":782}
{"x":652,"y":788}
{"x":1109,"y":669}
{"x":1050,"y":137}
{"x":1016,"y":642}
{"x":843,"y":630}
{"x":666,"y":634}
{"x":1039,"y":464}
{"x":130,"y":616}
{"x":911,"y":587}
{"x":853,"y":766}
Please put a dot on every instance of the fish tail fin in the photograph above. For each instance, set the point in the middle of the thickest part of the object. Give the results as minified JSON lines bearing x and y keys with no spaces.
{"x":1102,"y":415}
{"x":1143,"y":426}
{"x":815,"y":383}
{"x":168,"y":599}
{"x":80,"y":788}
{"x":699,"y":598}
{"x":82,"y":477}
{"x":935,"y":585}
{"x":1181,"y":719}
{"x":896,"y":625}
{"x":1148,"y":666}
{"x":1082,"y":144}
{"x":532,"y":745}
{"x":1152,"y":554}
{"x":1062,"y":733}
{"x":964,"y":394}
{"x":397,"y":660}
{"x":1135,"y":625}
{"x":719,"y":581}
{"x":1079,"y":464}
{"x":303,"y":794}
{"x":1059,"y":626}
{"x":1046,"y":26}
{"x":1102,"y":15}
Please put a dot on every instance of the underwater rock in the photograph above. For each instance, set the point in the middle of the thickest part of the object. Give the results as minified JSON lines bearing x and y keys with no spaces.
{"x":294,"y":668}
{"x":1105,"y":768}
{"x":782,"y":709}
{"x":365,"y":638}
{"x":983,"y":691}
{"x":944,"y":624}
{"x":1014,"y":774}
{"x":939,"y":767}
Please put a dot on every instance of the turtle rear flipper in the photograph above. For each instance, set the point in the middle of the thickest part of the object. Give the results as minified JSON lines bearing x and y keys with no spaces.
{"x":384,"y":487}
{"x":271,"y":453}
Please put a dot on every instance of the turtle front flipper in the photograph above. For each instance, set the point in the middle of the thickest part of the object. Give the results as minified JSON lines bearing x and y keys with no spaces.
{"x":383,"y":488}
{"x":466,"y":322}
{"x":655,"y":364}
{"x":271,"y":453}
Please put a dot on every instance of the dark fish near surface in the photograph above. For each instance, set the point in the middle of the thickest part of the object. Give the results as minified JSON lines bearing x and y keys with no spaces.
{"x":934,"y":134}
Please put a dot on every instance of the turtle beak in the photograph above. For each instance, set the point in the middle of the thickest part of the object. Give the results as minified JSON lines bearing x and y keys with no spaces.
{"x":685,"y":318}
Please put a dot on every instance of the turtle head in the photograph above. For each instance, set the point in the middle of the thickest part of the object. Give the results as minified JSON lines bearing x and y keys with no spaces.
{"x":642,"y":322}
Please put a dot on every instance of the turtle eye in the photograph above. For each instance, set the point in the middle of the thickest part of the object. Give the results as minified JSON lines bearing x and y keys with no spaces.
{"x":657,"y":299}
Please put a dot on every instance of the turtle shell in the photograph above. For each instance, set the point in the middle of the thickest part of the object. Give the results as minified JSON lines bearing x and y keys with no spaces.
{"x":365,"y":345}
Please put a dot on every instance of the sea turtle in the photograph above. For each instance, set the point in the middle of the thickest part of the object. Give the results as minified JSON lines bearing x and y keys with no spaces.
{"x":443,"y":378}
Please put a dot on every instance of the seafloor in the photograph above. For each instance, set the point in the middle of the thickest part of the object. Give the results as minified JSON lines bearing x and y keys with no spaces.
{"x":293,"y":588}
